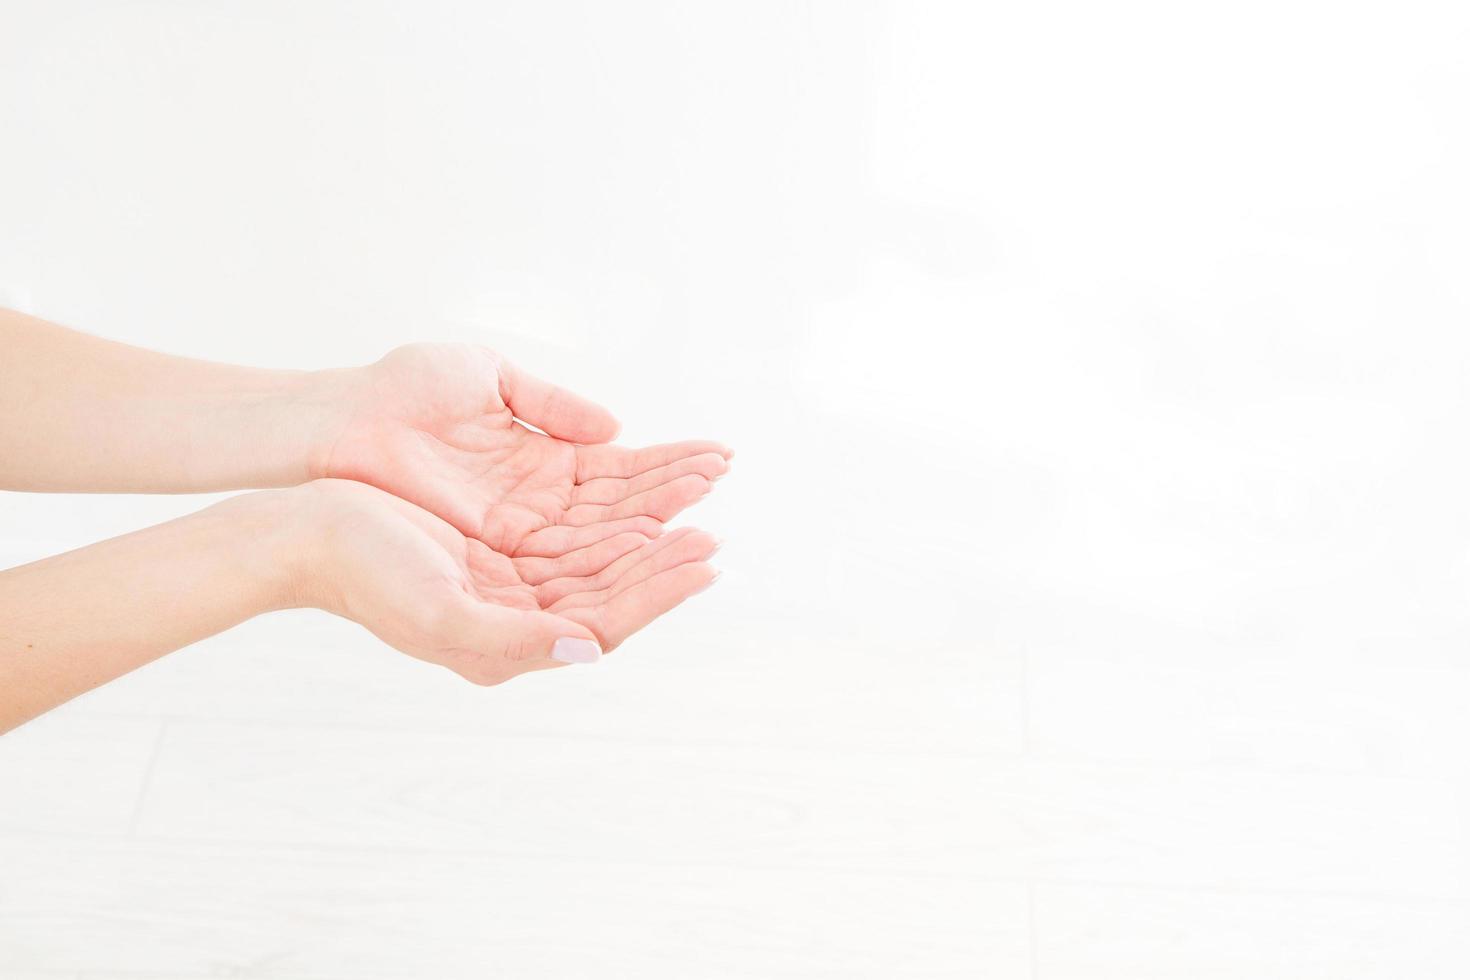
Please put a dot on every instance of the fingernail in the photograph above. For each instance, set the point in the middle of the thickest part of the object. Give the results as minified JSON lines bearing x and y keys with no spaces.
{"x":570,"y":650}
{"x":719,"y":543}
{"x":706,"y":585}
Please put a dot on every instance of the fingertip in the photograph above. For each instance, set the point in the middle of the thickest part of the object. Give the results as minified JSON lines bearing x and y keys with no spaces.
{"x":569,"y":640}
{"x":702,"y":543}
{"x":581,"y":421}
{"x":711,"y":465}
{"x":553,"y":409}
{"x":576,"y":650}
{"x":713,"y":446}
{"x":692,"y":484}
{"x":690,"y":579}
{"x":540,"y":632}
{"x":602,"y":426}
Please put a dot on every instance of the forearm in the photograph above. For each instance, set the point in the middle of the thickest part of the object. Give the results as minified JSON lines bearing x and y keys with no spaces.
{"x":78,"y":620}
{"x":79,"y":413}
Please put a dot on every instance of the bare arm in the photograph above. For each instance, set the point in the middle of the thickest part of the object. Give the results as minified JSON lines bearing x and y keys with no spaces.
{"x":73,"y":622}
{"x":438,"y":425}
{"x":79,"y":413}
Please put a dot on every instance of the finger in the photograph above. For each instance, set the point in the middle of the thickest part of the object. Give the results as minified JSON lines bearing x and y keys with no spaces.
{"x":559,"y":539}
{"x":620,"y":461}
{"x":554,"y":410}
{"x":661,"y":502}
{"x":555,"y":590}
{"x":490,"y":644}
{"x":630,"y":611}
{"x":611,"y":489}
{"x":584,"y":561}
{"x":683,"y":545}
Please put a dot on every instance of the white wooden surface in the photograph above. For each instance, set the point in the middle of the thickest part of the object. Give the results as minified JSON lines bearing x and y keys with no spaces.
{"x":1096,"y":547}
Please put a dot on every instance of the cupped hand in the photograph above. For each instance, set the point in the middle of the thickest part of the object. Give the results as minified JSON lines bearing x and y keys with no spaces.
{"x":436,"y":424}
{"x":425,"y":588}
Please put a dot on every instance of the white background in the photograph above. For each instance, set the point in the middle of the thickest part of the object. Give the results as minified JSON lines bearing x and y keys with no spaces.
{"x":1097,"y":540}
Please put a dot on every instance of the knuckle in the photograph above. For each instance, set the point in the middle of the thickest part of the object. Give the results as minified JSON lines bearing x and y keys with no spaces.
{"x":486,"y":672}
{"x":522,"y":649}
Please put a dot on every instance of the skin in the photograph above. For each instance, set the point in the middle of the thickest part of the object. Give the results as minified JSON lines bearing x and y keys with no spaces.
{"x":440,"y":426}
{"x":421,"y":506}
{"x":436,"y":424}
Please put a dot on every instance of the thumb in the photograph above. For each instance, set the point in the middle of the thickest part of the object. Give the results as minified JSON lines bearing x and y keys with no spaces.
{"x":501,"y":643}
{"x":553,"y":409}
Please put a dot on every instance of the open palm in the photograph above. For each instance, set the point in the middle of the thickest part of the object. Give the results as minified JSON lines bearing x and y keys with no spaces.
{"x":425,"y":588}
{"x":437,"y":425}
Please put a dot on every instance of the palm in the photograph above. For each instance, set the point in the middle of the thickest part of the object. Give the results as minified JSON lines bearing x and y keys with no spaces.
{"x":437,"y":426}
{"x":425,"y":588}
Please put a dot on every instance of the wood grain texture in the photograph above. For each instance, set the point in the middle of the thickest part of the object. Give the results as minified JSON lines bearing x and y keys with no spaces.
{"x":175,"y":910}
{"x":1113,"y":933}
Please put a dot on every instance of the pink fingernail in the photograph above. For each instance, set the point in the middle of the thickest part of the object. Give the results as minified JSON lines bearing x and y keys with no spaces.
{"x":570,"y":650}
{"x":706,"y":585}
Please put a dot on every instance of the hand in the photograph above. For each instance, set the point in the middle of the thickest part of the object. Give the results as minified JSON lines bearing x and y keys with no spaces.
{"x":426,"y":589}
{"x":436,"y":425}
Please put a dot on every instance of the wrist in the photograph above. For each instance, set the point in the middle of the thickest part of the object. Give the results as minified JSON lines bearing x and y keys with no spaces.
{"x":310,"y":525}
{"x":314,"y":411}
{"x":276,"y":546}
